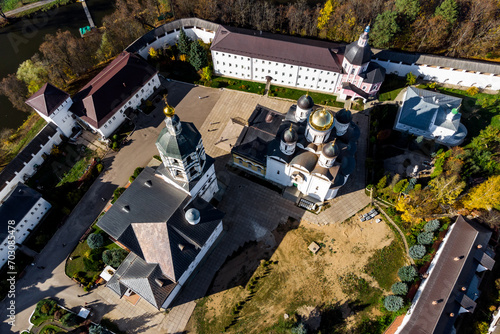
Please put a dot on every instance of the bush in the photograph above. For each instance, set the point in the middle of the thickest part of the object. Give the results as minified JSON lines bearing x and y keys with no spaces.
{"x":138,"y":171}
{"x":382,"y":183}
{"x":157,"y":157}
{"x":393,"y":303}
{"x":432,"y":226}
{"x":215,"y":84}
{"x":417,"y":252}
{"x":407,"y":273}
{"x":131,"y":179}
{"x":117,"y":193}
{"x":95,"y":241}
{"x":114,"y":146}
{"x":399,"y":288}
{"x":299,"y":329}
{"x":97,"y":329}
{"x":99,"y":168}
{"x":400,"y":186}
{"x":114,"y":257}
{"x":46,"y":307}
{"x":425,"y":238}
{"x":472,"y":91}
{"x":69,"y":320}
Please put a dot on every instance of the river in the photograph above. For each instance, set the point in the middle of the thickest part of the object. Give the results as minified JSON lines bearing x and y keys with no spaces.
{"x":19,"y":41}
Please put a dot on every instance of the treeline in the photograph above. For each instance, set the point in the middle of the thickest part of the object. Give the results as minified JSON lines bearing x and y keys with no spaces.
{"x":459,"y":28}
{"x":64,"y":57}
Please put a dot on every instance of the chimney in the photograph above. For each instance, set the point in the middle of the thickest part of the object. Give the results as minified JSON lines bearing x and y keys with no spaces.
{"x":159,"y":282}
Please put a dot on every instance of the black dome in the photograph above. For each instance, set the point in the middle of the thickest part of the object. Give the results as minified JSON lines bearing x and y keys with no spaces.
{"x":305,"y":102}
{"x":343,"y":116}
{"x":331,"y":150}
{"x":289,"y":135}
{"x":357,"y":55}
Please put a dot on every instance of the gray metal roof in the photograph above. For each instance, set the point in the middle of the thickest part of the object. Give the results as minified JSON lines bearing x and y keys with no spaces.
{"x":278,"y":48}
{"x":420,"y":106}
{"x":373,"y":74}
{"x":169,"y":27}
{"x":17,"y":205}
{"x":179,"y":146}
{"x":442,"y":121}
{"x":433,"y":60}
{"x":357,"y":55}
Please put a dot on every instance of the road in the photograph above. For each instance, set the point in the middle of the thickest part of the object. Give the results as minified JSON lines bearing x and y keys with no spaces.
{"x":52,"y":281}
{"x":16,"y":11}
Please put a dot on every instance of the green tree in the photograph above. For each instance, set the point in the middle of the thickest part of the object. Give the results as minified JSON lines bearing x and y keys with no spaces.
{"x":393,"y":303}
{"x":400,"y":186}
{"x":432,"y":226}
{"x":69,"y":319}
{"x":385,"y":28}
{"x":417,"y":252}
{"x":33,"y":73}
{"x":97,"y":329}
{"x":198,"y":56}
{"x":407,"y":273}
{"x":382,"y":182}
{"x":184,"y":43}
{"x":399,"y":288}
{"x":411,"y":79}
{"x":485,"y":195}
{"x":425,"y":238}
{"x":448,"y":9}
{"x":408,"y":7}
{"x":114,"y":257}
{"x":95,"y":240}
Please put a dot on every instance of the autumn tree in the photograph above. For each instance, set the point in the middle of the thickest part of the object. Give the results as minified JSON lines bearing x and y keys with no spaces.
{"x":485,"y":195}
{"x":411,"y":79}
{"x":446,"y":188}
{"x":325,"y":12}
{"x":15,"y":90}
{"x":385,"y":28}
{"x":33,"y":73}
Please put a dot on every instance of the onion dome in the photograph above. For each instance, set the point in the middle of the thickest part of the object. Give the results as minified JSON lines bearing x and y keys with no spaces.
{"x":343,"y":116}
{"x":348,"y":165}
{"x":331,"y":150}
{"x":305,"y":102}
{"x":321,"y":120}
{"x":192,"y":216}
{"x":290,"y":135}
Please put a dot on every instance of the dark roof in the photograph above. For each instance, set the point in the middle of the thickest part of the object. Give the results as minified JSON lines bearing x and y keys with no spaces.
{"x":420,"y":106}
{"x":17,"y":205}
{"x":444,"y":122}
{"x":107,"y":92}
{"x":25,"y":156}
{"x":305,"y":159}
{"x":343,"y":116}
{"x":357,"y":55}
{"x":169,"y":27}
{"x":447,"y":278}
{"x":154,"y":220}
{"x":305,"y":102}
{"x":329,"y":173}
{"x":181,"y":145}
{"x":373,"y":74}
{"x":278,"y":48}
{"x":330,"y":150}
{"x":355,"y":89}
{"x":47,"y":99}
{"x":145,"y":279}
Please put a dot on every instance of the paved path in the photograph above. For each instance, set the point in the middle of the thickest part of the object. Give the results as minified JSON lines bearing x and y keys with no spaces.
{"x":52,"y":281}
{"x":16,"y":11}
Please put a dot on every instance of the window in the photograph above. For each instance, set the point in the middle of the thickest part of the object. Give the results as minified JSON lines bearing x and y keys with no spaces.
{"x":105,"y":125}
{"x":352,"y":71}
{"x":277,"y":172}
{"x":114,"y":117}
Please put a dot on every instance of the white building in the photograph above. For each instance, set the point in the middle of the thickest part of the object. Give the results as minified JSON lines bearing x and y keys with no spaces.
{"x":164,"y":217}
{"x":309,"y":152}
{"x":434,"y":116}
{"x":20,"y":213}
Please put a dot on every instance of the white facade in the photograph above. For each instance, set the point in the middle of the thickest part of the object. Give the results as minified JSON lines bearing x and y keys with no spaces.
{"x":206,"y":247}
{"x":22,"y":230}
{"x":30,"y":167}
{"x":61,"y":117}
{"x":441,"y":74}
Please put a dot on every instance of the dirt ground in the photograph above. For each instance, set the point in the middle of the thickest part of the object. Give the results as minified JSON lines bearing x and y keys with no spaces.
{"x":297,"y":278}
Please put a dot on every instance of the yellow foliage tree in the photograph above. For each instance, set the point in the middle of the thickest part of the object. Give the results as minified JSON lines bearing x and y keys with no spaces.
{"x":446,"y":188}
{"x":153,"y":53}
{"x":484,"y":196}
{"x":325,"y":12}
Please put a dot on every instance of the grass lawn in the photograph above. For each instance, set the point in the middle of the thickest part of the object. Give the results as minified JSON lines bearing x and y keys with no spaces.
{"x":391,"y":87}
{"x":51,"y":329}
{"x":241,"y":85}
{"x":385,"y":262}
{"x":78,"y":169}
{"x":295,"y":94}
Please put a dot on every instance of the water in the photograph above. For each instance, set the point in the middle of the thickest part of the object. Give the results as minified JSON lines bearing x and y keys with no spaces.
{"x":19,"y":41}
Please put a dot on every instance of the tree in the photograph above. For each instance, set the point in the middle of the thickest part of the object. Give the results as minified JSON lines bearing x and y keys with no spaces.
{"x":448,"y":9}
{"x":97,"y":329}
{"x":400,"y":186}
{"x":197,"y":56}
{"x":411,"y":79}
{"x":114,"y":257}
{"x":393,"y":303}
{"x":399,"y":288}
{"x":407,"y":273}
{"x":417,"y":252}
{"x":299,"y":329}
{"x":153,"y":53}
{"x":33,"y":73}
{"x":95,"y":240}
{"x":408,"y":7}
{"x":324,"y":14}
{"x":382,"y":182}
{"x":446,"y":188}
{"x":206,"y":73}
{"x":425,"y":238}
{"x":184,"y":43}
{"x":69,"y":319}
{"x":485,"y":195}
{"x":15,"y":90}
{"x":432,"y":226}
{"x":385,"y":28}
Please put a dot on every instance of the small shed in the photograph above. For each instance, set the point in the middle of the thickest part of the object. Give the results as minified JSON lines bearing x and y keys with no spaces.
{"x":314,"y":247}
{"x":107,"y":273}
{"x":84,"y":313}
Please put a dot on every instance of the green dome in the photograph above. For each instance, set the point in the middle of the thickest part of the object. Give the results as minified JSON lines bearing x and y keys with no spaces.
{"x":321,"y":120}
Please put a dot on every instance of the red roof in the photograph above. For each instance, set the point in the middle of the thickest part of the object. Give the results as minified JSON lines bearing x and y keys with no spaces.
{"x":47,"y":99}
{"x":104,"y":95}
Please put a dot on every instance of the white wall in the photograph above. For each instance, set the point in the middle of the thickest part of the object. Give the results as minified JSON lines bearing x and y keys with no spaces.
{"x":61,"y":117}
{"x":213,"y":237}
{"x":29,"y":168}
{"x":443,"y":74}
{"x":29,"y":221}
{"x":276,"y":171}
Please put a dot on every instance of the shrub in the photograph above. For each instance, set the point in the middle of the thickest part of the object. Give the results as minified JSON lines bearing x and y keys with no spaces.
{"x":400,"y":186}
{"x":299,"y":329}
{"x":472,"y":91}
{"x":117,"y":193}
{"x":399,"y":288}
{"x":97,"y":329}
{"x":431,"y":226}
{"x":46,"y":307}
{"x":131,"y":179}
{"x":114,"y":146}
{"x":99,"y":168}
{"x":407,"y":273}
{"x":382,"y":183}
{"x":138,"y":171}
{"x":69,"y":320}
{"x":114,"y":257}
{"x":417,"y":252}
{"x":393,"y":303}
{"x":215,"y":84}
{"x":425,"y":238}
{"x":95,"y":240}
{"x":157,"y":157}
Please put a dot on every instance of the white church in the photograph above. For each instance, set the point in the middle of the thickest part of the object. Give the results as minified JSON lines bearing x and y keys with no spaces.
{"x":310,"y":151}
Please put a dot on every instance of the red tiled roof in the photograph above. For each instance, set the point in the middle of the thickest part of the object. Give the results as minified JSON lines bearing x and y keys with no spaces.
{"x":106,"y":93}
{"x":47,"y":99}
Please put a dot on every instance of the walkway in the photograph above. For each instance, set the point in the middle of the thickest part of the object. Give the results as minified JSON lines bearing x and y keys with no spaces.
{"x":14,"y":12}
{"x":87,"y":12}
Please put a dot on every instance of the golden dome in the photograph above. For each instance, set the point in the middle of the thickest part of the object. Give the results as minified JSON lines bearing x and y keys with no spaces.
{"x":321,"y":120}
{"x":169,"y":111}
